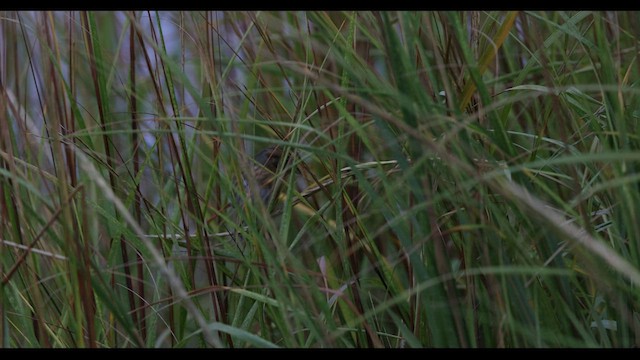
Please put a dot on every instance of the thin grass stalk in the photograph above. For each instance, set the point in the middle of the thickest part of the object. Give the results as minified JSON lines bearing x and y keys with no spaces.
{"x":137,"y":212}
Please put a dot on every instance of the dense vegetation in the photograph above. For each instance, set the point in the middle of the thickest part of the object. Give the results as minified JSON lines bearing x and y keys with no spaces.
{"x":449,"y":179}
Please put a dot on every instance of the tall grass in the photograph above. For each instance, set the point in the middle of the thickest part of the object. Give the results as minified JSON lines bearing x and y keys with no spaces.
{"x":451,"y":179}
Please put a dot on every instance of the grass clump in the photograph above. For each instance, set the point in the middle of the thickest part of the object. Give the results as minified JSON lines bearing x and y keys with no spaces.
{"x":449,"y":179}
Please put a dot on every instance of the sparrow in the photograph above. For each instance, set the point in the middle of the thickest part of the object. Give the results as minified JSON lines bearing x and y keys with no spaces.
{"x":264,"y":170}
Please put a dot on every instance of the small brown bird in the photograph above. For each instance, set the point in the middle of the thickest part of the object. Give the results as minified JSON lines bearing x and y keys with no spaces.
{"x":264,"y":170}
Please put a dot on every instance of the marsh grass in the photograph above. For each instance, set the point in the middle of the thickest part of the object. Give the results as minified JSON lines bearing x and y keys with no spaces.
{"x":452,"y":179}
